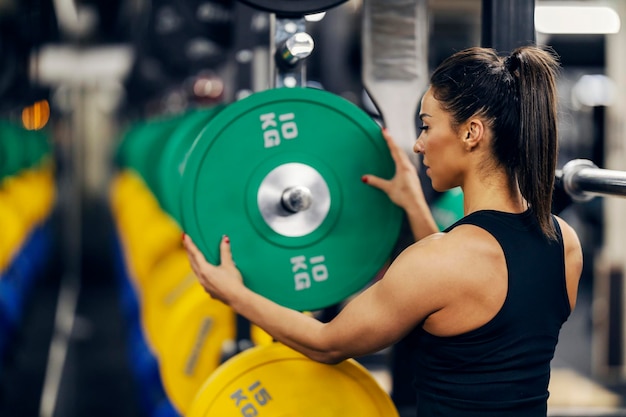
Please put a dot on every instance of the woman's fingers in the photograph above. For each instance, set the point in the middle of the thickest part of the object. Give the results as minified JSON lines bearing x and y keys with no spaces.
{"x":398,"y":155}
{"x":377,"y":182}
{"x":196,"y":258}
{"x":226,"y":255}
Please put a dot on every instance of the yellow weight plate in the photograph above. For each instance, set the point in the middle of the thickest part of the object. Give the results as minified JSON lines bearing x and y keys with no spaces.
{"x":18,"y":187}
{"x":123,"y":186}
{"x":120,"y":184}
{"x":259,"y":336}
{"x":37,"y":194}
{"x":140,"y":208}
{"x":14,"y":231}
{"x":170,"y":280}
{"x":274,"y":380}
{"x":147,"y":233}
{"x":46,"y":192}
{"x":160,"y":238}
{"x":193,"y":337}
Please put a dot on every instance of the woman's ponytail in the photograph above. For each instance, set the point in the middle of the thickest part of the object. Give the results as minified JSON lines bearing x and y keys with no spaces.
{"x":535,"y":70}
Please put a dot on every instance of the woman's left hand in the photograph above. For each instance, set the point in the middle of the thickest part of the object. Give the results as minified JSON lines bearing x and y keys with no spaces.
{"x":222,"y":282}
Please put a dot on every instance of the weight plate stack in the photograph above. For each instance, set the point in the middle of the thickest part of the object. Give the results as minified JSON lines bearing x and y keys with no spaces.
{"x":170,"y":172}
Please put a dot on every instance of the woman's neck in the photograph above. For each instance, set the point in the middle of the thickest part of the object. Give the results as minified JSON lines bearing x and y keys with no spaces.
{"x":492,"y":192}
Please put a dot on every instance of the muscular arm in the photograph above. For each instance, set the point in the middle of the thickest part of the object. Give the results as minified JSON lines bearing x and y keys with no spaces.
{"x":374,"y":319}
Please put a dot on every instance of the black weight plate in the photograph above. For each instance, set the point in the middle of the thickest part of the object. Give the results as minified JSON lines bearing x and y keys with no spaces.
{"x":293,"y":7}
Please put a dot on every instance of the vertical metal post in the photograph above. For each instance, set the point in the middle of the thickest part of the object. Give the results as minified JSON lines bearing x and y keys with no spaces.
{"x":609,"y":336}
{"x":283,"y":29}
{"x":70,"y":193}
{"x":251,"y":50}
{"x":508,"y":24}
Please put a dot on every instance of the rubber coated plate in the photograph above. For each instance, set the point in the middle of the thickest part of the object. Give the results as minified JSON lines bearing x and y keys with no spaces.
{"x":194,"y":337}
{"x":148,"y":233}
{"x":13,"y":156}
{"x":274,"y":380}
{"x":170,"y":280}
{"x":252,"y":153}
{"x":293,"y":7}
{"x":144,"y":144}
{"x":172,"y":160}
{"x":14,"y":230}
{"x":448,"y":208}
{"x":159,"y":237}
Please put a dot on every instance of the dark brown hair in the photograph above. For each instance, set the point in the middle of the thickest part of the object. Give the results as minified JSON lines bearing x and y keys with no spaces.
{"x":517,"y":97}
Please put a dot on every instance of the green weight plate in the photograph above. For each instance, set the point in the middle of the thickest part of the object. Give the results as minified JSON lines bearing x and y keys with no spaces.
{"x":14,"y":153}
{"x":302,"y":149}
{"x":274,"y":380}
{"x":146,"y":144}
{"x":37,"y":146}
{"x":4,"y":152}
{"x":123,"y":148}
{"x":448,"y":208}
{"x":293,"y":7}
{"x":153,"y":142}
{"x":170,"y":171}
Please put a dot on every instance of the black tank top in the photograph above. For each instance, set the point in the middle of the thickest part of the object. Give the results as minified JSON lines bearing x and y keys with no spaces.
{"x":503,"y":367}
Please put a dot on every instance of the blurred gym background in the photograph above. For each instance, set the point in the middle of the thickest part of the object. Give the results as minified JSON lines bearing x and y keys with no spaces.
{"x":81,"y":72}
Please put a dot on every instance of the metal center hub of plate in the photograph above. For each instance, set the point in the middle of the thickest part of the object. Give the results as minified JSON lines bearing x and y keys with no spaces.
{"x":293,"y":199}
{"x":297,"y":199}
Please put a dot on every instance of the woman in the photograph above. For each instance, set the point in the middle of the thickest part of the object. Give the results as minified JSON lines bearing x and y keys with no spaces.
{"x":482,"y":303}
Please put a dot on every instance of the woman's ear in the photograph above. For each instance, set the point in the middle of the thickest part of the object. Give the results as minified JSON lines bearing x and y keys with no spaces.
{"x":474,"y":133}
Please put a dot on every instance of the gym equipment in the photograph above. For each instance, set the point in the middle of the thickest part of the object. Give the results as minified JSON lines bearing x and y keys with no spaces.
{"x":170,"y":172}
{"x":292,"y":7}
{"x":395,"y":63}
{"x":194,"y":334}
{"x":169,"y":281}
{"x":583,"y":180}
{"x":289,"y":46}
{"x":12,"y":152}
{"x":143,"y":145}
{"x":507,"y":24}
{"x":20,"y":149}
{"x":148,"y":233}
{"x":275,"y":171}
{"x":448,"y":208}
{"x":31,"y":192}
{"x":26,"y":197}
{"x":274,"y":380}
{"x":14,"y":231}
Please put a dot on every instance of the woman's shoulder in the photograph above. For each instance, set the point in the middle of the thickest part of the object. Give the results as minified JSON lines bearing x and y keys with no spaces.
{"x":461,"y":274}
{"x":570,"y":237}
{"x":462,"y":249}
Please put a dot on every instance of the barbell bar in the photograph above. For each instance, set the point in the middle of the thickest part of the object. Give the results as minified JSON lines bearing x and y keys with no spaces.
{"x":582,"y":180}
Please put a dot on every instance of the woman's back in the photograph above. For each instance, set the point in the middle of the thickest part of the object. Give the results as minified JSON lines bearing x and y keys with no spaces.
{"x":502,"y":366}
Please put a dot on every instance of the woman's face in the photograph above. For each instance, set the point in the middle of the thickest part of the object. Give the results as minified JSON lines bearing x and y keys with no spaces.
{"x":440,"y":145}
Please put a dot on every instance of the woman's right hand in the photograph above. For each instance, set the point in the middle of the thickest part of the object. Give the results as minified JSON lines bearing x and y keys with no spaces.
{"x":405,"y":190}
{"x":222,"y":282}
